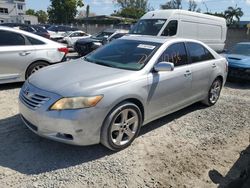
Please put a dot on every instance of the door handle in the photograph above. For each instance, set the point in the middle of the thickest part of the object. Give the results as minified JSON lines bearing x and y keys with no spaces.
{"x":213,"y":65}
{"x":188,"y":73}
{"x":24,"y":53}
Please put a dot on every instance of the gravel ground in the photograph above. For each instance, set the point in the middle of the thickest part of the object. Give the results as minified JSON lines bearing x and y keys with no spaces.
{"x":194,"y":147}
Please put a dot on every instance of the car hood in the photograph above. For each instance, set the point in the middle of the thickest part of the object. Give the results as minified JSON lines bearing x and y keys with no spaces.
{"x":239,"y":61}
{"x":78,"y":77}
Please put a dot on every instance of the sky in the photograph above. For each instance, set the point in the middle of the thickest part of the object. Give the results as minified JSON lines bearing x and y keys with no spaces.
{"x":106,"y":7}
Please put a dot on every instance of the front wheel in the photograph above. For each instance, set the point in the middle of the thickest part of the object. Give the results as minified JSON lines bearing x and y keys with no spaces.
{"x":214,"y":93}
{"x":121,"y":126}
{"x":35,"y":67}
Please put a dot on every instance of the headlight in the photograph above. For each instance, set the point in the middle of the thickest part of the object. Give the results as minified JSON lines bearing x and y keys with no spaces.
{"x":248,"y":70}
{"x":76,"y":103}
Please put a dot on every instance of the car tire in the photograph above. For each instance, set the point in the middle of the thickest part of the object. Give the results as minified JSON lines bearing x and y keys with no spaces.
{"x":35,"y":67}
{"x":121,"y":126}
{"x":213,"y":93}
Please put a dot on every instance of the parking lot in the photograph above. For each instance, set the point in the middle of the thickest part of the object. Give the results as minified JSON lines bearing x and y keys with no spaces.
{"x":194,"y":147}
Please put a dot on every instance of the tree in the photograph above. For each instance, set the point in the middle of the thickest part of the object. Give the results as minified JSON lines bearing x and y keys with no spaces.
{"x":31,"y":12}
{"x":172,"y":4}
{"x":131,"y":8}
{"x":42,"y":16}
{"x":192,"y":6}
{"x":233,"y":15}
{"x":63,"y":11}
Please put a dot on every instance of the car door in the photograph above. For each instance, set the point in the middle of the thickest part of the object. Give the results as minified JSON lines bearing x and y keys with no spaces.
{"x":170,"y":90}
{"x":75,"y":36}
{"x":15,"y":53}
{"x":202,"y":65}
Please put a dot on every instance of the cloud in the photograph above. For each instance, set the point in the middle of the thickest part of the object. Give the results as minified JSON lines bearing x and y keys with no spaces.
{"x":248,"y":2}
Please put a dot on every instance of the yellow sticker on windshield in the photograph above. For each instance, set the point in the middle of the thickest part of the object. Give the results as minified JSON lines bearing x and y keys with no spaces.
{"x":145,"y":46}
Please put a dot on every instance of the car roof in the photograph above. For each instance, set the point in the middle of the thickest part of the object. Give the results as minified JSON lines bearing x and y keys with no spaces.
{"x":157,"y":39}
{"x":248,"y":43}
{"x":115,"y":30}
{"x":47,"y":41}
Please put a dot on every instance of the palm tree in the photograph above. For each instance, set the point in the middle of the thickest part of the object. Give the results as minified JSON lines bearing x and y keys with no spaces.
{"x":233,"y":15}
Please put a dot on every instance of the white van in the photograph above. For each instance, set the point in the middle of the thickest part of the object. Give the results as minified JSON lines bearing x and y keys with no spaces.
{"x":209,"y":29}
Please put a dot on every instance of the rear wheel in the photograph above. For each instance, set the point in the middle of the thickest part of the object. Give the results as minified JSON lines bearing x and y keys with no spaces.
{"x":214,"y":93}
{"x":121,"y":126}
{"x":35,"y":67}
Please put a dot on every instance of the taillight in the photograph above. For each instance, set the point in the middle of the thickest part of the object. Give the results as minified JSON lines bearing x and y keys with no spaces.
{"x":64,"y":50}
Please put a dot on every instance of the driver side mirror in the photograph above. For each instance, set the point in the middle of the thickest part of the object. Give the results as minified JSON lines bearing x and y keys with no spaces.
{"x":164,"y":66}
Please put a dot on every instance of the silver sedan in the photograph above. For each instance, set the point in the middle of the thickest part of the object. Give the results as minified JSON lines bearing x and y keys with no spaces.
{"x":108,"y":95}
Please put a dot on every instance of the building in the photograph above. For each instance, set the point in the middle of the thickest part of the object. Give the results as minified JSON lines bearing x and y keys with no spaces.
{"x":13,"y":11}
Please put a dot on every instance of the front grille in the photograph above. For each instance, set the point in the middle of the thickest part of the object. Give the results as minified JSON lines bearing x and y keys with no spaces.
{"x":32,"y":100}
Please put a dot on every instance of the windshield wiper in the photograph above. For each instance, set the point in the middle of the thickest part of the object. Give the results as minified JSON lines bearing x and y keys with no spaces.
{"x":98,"y":62}
{"x":104,"y":64}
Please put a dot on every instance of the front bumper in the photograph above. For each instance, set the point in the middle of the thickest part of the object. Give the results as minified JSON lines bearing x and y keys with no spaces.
{"x":77,"y":127}
{"x":240,"y":73}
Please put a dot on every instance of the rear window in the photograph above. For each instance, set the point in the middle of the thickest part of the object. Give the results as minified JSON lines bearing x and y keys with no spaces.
{"x":39,"y":29}
{"x":35,"y":41}
{"x":198,"y":53}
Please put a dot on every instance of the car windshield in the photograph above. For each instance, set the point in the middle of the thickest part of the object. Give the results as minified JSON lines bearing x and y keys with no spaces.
{"x":102,"y":34}
{"x":66,"y":34}
{"x":124,"y":54}
{"x":241,"y":49}
{"x":148,"y":27}
{"x":39,"y":29}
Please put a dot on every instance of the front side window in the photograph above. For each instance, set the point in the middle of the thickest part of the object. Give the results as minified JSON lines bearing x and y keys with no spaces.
{"x":11,"y":39}
{"x":176,"y":53}
{"x":171,"y":28}
{"x":148,"y":27}
{"x":198,"y":53}
{"x":124,"y":54}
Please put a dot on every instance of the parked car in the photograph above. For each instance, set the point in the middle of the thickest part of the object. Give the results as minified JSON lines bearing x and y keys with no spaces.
{"x":85,"y":46}
{"x":45,"y":26}
{"x":211,"y":30}
{"x":109,"y":94}
{"x":23,"y":53}
{"x":239,"y":61}
{"x":70,"y":38}
{"x":57,"y":31}
{"x":29,"y":28}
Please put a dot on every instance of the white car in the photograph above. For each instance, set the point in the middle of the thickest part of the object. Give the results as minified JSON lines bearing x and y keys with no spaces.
{"x":57,"y":31}
{"x":71,"y":37}
{"x":23,"y":53}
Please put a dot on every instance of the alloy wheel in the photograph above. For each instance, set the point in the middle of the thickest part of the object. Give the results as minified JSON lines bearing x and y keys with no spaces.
{"x":124,"y":127}
{"x":215,"y":92}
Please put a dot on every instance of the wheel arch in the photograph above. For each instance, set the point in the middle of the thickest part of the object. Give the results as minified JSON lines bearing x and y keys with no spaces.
{"x":42,"y":60}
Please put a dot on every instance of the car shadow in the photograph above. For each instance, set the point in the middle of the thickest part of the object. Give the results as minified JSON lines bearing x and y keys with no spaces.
{"x":23,"y":151}
{"x":238,"y":176}
{"x":238,"y":84}
{"x":11,"y":86}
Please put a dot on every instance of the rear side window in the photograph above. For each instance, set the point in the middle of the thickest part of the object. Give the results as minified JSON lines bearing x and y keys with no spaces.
{"x":171,"y":28}
{"x":198,"y":53}
{"x":11,"y":39}
{"x":35,"y":41}
{"x":176,"y":53}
